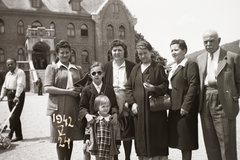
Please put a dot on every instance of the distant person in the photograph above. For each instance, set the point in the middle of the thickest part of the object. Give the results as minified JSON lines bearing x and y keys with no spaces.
{"x":90,"y":92}
{"x":184,"y":88}
{"x":13,"y":87}
{"x":148,"y":78}
{"x":116,"y":75}
{"x":103,"y":137}
{"x":63,"y":101}
{"x":219,"y":93}
{"x":39,"y":85}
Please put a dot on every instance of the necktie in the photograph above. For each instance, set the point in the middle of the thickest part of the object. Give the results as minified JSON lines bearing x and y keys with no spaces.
{"x":211,"y":69}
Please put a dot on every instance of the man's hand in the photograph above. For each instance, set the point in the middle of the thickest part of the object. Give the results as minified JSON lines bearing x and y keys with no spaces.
{"x":135,"y":108}
{"x":90,"y":118}
{"x":15,"y":100}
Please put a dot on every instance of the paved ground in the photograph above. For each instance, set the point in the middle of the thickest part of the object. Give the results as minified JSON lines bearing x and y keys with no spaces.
{"x":36,"y":146}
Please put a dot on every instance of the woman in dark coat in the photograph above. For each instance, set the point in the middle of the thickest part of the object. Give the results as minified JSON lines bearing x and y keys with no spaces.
{"x":184,"y":87}
{"x":148,"y":78}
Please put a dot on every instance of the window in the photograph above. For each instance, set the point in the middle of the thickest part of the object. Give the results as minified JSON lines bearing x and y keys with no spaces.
{"x":75,"y":6}
{"x":1,"y":26}
{"x":53,"y":26}
{"x":85,"y":57}
{"x":2,"y":55}
{"x":20,"y":55}
{"x":122,"y":32}
{"x":115,"y":7}
{"x":70,"y":30}
{"x":36,"y":3}
{"x":36,"y":24}
{"x":84,"y":30}
{"x":73,"y":57}
{"x":110,"y":31}
{"x":20,"y":27}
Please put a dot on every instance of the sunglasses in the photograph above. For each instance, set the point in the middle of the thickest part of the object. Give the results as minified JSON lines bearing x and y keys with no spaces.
{"x":98,"y":72}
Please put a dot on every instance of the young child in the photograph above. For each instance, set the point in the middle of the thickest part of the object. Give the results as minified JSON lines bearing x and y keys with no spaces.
{"x":87,"y":112}
{"x":102,"y":137}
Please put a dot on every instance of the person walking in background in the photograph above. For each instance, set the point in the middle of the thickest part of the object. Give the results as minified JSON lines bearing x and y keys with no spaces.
{"x":117,"y":72}
{"x":184,"y":88}
{"x":13,"y":87}
{"x":103,"y":138}
{"x":219,"y":72}
{"x":63,"y":101}
{"x":39,"y":85}
{"x":90,"y":92}
{"x":148,"y":78}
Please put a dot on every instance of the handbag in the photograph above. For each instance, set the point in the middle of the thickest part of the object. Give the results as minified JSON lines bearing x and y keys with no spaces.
{"x":126,"y":124}
{"x":160,"y":103}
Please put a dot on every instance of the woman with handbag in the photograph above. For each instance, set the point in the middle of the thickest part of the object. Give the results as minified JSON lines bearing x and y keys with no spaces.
{"x":117,"y":73}
{"x":148,"y":78}
{"x":184,"y":87}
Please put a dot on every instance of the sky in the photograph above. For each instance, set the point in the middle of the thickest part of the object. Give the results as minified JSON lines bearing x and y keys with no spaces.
{"x":161,"y":21}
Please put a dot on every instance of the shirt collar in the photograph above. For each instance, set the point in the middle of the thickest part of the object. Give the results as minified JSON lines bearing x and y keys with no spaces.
{"x":15,"y":71}
{"x":96,"y":86}
{"x":59,"y":64}
{"x":183,"y":63}
{"x":215,"y":54}
{"x":116,"y":66}
{"x":106,"y":118}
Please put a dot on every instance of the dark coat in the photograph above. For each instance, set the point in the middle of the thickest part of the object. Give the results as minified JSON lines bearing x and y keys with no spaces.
{"x":150,"y":127}
{"x":108,"y":69}
{"x":185,"y":87}
{"x":88,"y":96}
{"x":228,"y":81}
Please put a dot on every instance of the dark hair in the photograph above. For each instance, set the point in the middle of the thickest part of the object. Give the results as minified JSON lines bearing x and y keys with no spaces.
{"x":118,"y":42}
{"x":96,"y":64}
{"x":62,"y":44}
{"x":143,"y":44}
{"x":12,"y":59}
{"x":99,"y":100}
{"x":180,"y":42}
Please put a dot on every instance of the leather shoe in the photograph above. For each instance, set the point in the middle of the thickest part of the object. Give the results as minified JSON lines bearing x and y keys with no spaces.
{"x":17,"y":139}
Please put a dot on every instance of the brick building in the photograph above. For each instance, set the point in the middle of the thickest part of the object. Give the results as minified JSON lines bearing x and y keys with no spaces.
{"x":29,"y":30}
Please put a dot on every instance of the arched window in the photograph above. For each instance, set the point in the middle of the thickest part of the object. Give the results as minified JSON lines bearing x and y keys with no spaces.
{"x":73,"y":57}
{"x":121,"y":32}
{"x":36,"y":24}
{"x":70,"y":30}
{"x":2,"y":55}
{"x":53,"y":26}
{"x":20,"y":27}
{"x":115,"y":7}
{"x":85,"y":57}
{"x":84,"y":30}
{"x":20,"y":57}
{"x":109,"y":31}
{"x":1,"y":27}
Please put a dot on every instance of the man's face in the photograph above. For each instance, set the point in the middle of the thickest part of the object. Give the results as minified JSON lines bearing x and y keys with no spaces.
{"x":211,"y":42}
{"x":11,"y":65}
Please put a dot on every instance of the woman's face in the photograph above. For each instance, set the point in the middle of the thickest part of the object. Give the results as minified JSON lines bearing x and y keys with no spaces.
{"x":118,"y":53}
{"x":64,"y":55}
{"x":177,"y":53}
{"x":145,"y":55}
{"x":97,"y":74}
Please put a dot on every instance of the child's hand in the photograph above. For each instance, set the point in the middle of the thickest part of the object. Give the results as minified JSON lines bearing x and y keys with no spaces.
{"x":88,"y":142}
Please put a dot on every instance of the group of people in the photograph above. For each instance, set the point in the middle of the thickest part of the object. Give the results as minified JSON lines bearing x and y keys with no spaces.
{"x":90,"y":112}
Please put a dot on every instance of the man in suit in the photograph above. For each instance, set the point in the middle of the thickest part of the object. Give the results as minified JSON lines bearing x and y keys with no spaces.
{"x":13,"y":87}
{"x":219,"y":72}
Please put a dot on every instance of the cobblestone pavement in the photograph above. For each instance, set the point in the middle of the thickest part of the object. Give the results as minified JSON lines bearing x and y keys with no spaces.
{"x":36,"y":146}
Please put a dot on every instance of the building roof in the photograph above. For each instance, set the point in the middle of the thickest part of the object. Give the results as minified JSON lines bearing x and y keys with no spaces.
{"x":231,"y":46}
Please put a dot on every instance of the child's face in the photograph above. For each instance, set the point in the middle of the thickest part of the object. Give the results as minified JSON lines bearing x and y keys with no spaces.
{"x":104,"y":109}
{"x":96,"y":74}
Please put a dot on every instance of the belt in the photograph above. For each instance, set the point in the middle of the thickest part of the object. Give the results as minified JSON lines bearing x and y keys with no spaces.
{"x":11,"y":90}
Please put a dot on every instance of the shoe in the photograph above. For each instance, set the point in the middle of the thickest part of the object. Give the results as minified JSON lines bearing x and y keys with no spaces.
{"x":17,"y":139}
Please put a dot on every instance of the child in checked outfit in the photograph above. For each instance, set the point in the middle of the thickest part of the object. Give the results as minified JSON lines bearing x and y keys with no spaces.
{"x":102,"y":137}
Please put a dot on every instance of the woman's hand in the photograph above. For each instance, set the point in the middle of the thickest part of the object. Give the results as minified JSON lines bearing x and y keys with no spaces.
{"x":113,"y":118}
{"x":148,"y":86}
{"x":135,"y":108}
{"x":90,"y":118}
{"x":73,"y":92}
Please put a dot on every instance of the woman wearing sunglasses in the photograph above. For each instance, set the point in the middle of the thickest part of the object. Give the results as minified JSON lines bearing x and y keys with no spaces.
{"x":63,"y":100}
{"x":89,"y":93}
